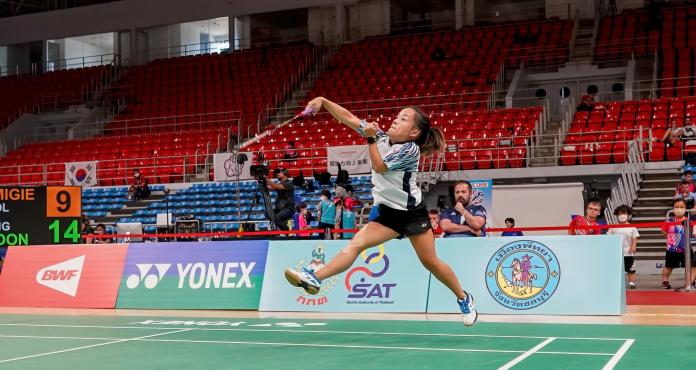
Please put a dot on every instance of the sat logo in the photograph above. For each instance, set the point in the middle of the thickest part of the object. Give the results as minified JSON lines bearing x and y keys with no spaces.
{"x":369,"y":289}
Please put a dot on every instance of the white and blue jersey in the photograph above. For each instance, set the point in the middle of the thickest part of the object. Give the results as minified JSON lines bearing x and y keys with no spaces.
{"x":397,"y":187}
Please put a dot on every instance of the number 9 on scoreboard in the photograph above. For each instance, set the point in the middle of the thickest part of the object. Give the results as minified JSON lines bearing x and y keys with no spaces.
{"x":63,"y":201}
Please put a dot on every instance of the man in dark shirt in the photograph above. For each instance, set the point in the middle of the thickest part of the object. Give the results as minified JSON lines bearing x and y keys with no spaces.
{"x":464,"y":219}
{"x":285,"y":202}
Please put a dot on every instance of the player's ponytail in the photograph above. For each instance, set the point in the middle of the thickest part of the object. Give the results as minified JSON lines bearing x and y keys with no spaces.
{"x":431,"y":139}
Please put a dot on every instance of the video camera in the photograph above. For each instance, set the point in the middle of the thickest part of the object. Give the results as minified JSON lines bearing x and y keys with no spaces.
{"x":259,"y":171}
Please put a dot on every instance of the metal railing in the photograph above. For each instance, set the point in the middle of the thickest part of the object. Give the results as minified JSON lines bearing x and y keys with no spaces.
{"x":136,"y":126}
{"x":49,"y":102}
{"x":625,"y":190}
{"x":82,"y":62}
{"x":307,"y":66}
{"x":164,"y":168}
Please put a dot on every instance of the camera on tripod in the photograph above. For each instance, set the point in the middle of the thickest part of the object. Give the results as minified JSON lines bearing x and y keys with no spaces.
{"x":259,"y":172}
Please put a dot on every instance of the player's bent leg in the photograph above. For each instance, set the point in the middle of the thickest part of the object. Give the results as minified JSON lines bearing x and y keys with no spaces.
{"x":369,"y":236}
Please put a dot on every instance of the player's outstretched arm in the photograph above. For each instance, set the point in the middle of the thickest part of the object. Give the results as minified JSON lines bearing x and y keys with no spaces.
{"x":341,"y":114}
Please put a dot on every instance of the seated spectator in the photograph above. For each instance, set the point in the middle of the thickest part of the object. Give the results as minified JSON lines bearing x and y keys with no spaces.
{"x":139,"y":189}
{"x":673,"y":134}
{"x":85,"y":228}
{"x":434,"y":216}
{"x":290,"y":152}
{"x":510,"y":223}
{"x":101,"y":230}
{"x":687,"y":196}
{"x":587,"y":102}
{"x":590,"y":219}
{"x":464,"y":219}
{"x":688,"y":177}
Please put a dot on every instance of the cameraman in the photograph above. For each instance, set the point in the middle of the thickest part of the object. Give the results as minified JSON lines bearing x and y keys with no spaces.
{"x":285,"y":203}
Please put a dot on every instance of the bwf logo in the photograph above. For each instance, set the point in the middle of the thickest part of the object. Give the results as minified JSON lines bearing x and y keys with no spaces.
{"x":194,"y":275}
{"x":63,"y":277}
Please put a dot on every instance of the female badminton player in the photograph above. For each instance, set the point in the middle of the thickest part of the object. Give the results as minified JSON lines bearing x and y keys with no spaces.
{"x":394,"y":156}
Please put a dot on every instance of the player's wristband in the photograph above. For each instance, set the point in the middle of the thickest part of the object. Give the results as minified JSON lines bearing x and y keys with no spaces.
{"x":371,"y":140}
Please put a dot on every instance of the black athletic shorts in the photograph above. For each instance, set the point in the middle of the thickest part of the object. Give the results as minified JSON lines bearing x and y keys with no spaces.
{"x":675,"y":260}
{"x":411,"y":222}
{"x":629,"y":264}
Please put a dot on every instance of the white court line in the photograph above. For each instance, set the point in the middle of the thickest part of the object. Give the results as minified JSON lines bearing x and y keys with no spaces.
{"x":320,"y":345}
{"x":317,"y":332}
{"x":90,"y":346}
{"x":526,"y":354}
{"x":618,"y":355}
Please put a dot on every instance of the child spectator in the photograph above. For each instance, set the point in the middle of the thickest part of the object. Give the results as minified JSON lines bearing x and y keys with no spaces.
{"x":304,"y":218}
{"x":510,"y":223}
{"x":434,"y":216}
{"x":327,"y":212}
{"x":674,"y":256}
{"x":629,"y":241}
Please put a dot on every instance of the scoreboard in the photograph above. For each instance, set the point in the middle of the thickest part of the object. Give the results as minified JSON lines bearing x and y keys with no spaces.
{"x":40,"y":215}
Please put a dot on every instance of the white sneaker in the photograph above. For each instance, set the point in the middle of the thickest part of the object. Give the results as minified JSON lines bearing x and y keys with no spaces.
{"x":468,"y":309}
{"x":304,"y":279}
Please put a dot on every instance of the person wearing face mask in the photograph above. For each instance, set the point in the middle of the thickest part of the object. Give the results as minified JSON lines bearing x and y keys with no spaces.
{"x":464,"y":219}
{"x":327,"y":212}
{"x":590,"y":219}
{"x":676,"y":240}
{"x":139,"y":189}
{"x":629,"y":241}
{"x":101,"y":230}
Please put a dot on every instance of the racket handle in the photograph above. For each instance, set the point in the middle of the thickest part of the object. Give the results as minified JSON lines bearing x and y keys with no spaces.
{"x":308,"y":112}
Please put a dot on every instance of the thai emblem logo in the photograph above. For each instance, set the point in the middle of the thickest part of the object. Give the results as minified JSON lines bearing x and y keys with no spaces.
{"x":316,"y":263}
{"x":361,"y":290}
{"x":523,"y":275}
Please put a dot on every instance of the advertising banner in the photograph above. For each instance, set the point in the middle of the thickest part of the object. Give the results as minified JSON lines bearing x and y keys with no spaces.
{"x":62,"y":276}
{"x":387,"y":278}
{"x":548,"y":275}
{"x":352,"y":158}
{"x":208,"y":275}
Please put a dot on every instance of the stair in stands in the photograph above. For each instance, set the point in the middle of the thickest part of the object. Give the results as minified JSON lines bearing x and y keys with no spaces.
{"x":653,"y":202}
{"x":582,"y":50}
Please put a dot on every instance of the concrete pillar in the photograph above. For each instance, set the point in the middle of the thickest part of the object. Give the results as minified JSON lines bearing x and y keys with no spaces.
{"x":340,"y":20}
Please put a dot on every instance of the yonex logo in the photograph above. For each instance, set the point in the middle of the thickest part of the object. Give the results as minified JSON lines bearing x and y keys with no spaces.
{"x":195,"y":275}
{"x":149,"y":280}
{"x":63,"y":277}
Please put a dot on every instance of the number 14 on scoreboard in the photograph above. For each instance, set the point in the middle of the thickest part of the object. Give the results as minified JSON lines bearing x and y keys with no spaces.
{"x":64,"y":202}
